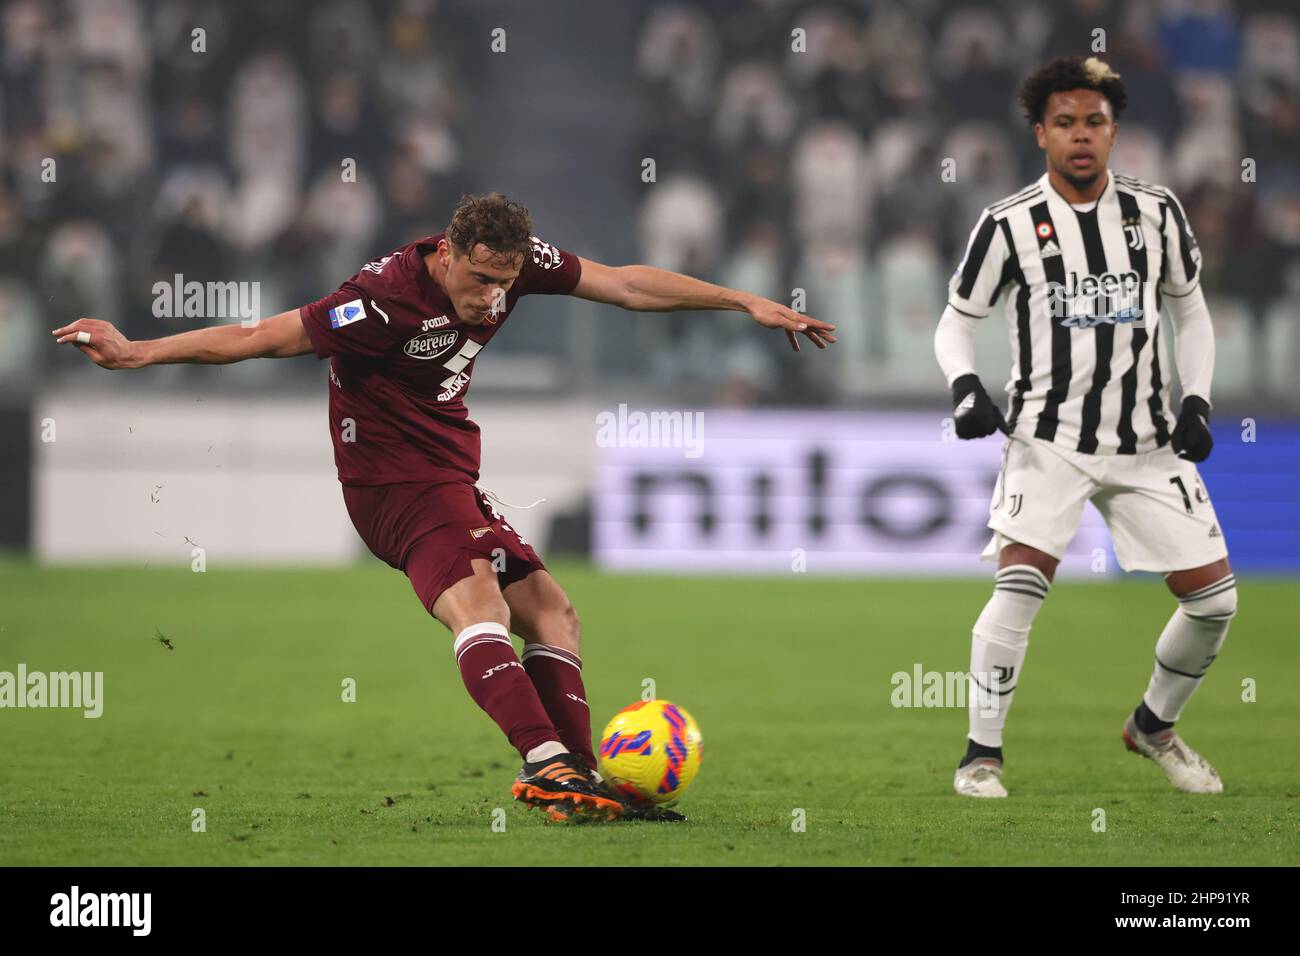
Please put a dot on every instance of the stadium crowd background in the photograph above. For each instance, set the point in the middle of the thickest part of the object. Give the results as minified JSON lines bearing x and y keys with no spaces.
{"x":773,"y":170}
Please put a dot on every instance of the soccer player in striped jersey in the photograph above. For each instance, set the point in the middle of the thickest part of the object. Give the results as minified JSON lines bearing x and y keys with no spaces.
{"x":1083,"y":259}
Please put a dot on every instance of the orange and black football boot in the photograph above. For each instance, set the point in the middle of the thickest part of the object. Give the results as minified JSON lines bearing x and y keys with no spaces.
{"x":632,"y":808}
{"x":565,"y":788}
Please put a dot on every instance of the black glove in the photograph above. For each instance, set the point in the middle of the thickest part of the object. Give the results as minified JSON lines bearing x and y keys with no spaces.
{"x":973,"y":410}
{"x":1192,"y":438}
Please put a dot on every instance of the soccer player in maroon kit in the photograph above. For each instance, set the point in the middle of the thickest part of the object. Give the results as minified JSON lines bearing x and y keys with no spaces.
{"x":402,"y":336}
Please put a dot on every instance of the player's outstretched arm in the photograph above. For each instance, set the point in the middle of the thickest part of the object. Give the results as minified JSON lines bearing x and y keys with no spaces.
{"x":280,"y":336}
{"x":647,"y":289}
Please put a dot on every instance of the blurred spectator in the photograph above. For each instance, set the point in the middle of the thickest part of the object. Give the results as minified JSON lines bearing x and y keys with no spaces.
{"x":1199,"y":35}
{"x":133,"y":147}
{"x":831,"y":185}
{"x":677,"y":54}
{"x":976,"y":82}
{"x":79,"y":273}
{"x":681,"y":225}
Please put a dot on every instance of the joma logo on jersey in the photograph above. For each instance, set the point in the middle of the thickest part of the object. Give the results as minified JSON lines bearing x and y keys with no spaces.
{"x":477,"y":533}
{"x":1084,"y":302}
{"x":430,"y":344}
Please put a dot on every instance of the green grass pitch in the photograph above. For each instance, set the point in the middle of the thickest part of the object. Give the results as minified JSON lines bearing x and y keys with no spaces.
{"x":789,"y":679}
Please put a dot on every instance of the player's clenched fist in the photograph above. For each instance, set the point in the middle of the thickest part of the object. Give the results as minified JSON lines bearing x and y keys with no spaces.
{"x":973,"y":410}
{"x":1191,"y":438}
{"x":104,"y":344}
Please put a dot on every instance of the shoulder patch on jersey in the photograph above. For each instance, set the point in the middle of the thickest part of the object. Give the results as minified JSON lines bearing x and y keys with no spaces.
{"x":347,"y":313}
{"x":546,"y":255}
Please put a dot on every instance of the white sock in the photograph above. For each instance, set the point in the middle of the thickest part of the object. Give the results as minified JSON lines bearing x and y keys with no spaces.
{"x":998,"y":644}
{"x":1188,"y":645}
{"x":552,"y":748}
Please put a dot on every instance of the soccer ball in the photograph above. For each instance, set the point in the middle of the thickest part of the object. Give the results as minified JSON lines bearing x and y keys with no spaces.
{"x":650,"y":752}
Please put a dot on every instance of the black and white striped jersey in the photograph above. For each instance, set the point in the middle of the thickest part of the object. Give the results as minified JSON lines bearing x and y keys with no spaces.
{"x":1083,"y":293}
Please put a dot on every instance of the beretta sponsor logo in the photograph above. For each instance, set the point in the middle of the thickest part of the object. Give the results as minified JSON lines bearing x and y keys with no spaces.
{"x":430,"y":344}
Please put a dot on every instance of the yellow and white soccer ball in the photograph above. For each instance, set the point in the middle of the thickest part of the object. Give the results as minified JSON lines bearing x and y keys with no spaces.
{"x":650,"y":752}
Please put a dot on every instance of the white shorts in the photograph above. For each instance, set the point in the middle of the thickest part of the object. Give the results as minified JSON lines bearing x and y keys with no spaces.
{"x":1158,"y":512}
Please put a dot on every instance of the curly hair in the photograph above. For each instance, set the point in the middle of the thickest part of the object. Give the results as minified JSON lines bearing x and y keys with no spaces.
{"x":495,"y":220}
{"x":1071,"y":73}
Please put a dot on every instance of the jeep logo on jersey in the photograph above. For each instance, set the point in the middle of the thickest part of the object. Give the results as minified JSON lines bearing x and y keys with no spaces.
{"x":545,"y":254}
{"x":1084,"y":302}
{"x":430,"y":344}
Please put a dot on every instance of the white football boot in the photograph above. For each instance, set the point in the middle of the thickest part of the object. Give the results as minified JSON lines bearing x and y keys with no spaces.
{"x":1186,"y":769}
{"x":982,"y":777}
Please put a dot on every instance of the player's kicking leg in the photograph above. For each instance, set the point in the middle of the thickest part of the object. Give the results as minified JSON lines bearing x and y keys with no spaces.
{"x":1207,"y":602}
{"x":477,"y":613}
{"x":998,"y":644}
{"x":541,"y":614}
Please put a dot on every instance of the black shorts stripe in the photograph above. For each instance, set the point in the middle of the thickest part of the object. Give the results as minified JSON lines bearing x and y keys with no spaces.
{"x":1103,"y":335}
{"x":1061,"y":364}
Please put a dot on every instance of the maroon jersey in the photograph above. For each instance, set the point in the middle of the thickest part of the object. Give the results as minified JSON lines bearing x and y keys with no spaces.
{"x":401,"y":362}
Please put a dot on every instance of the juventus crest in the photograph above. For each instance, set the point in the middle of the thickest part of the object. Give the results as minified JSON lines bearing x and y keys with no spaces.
{"x":1133,"y":231}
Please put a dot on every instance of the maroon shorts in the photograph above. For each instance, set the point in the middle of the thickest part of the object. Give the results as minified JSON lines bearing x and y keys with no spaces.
{"x":431,"y":530}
